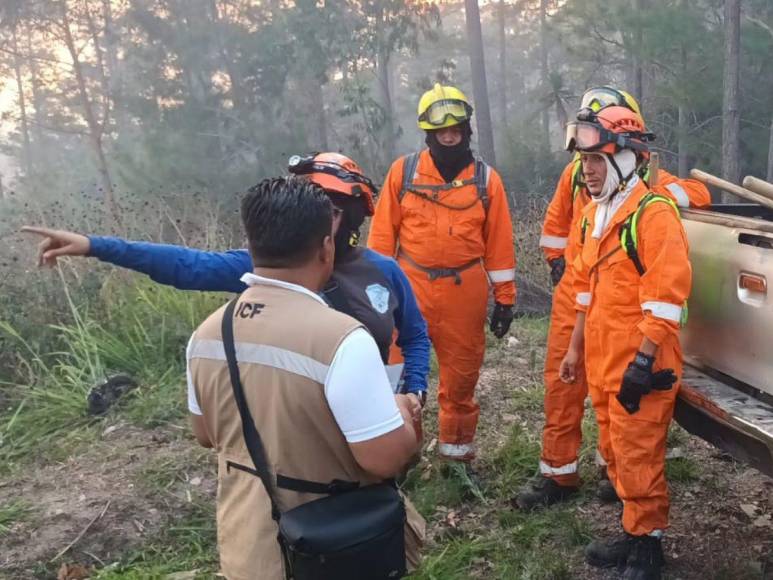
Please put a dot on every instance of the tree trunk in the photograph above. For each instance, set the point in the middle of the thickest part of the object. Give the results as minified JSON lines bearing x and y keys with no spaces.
{"x":114,"y":76}
{"x":502,"y":38}
{"x":544,"y":73}
{"x":731,"y":119}
{"x":385,"y":100}
{"x":27,"y":151}
{"x":770,"y":154}
{"x":479,"y":87}
{"x":95,"y":130}
{"x":682,"y":143}
{"x":318,"y":110}
{"x":384,"y":85}
{"x":314,"y":99}
{"x":682,"y":122}
{"x":38,"y":99}
{"x":638,"y":66}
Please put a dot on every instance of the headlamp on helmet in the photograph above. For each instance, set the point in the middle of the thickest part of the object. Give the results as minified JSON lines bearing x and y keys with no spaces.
{"x":335,"y":173}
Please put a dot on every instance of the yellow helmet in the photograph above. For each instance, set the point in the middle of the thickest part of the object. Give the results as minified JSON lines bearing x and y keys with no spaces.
{"x":598,"y":98}
{"x":443,"y":106}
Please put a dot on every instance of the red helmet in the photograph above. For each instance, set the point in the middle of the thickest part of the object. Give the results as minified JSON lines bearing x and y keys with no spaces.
{"x":607,"y":131}
{"x":335,"y":173}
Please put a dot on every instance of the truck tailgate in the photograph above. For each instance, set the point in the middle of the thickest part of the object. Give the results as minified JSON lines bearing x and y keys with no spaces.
{"x":730,"y":326}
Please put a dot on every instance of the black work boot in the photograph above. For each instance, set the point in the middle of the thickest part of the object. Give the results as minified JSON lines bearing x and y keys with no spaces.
{"x":542,"y":492}
{"x":645,"y":559}
{"x":606,"y":492}
{"x":611,"y":553}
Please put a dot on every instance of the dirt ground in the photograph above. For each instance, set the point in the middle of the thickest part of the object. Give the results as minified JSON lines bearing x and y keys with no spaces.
{"x":122,"y":489}
{"x":129,"y":484}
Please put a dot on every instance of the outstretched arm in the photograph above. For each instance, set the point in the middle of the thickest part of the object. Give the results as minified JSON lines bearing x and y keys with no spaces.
{"x":183,"y":268}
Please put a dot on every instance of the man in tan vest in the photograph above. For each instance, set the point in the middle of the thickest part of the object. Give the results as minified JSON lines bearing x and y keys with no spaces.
{"x":313,"y":379}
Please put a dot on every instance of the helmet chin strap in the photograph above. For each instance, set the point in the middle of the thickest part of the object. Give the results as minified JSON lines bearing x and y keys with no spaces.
{"x":616,"y":167}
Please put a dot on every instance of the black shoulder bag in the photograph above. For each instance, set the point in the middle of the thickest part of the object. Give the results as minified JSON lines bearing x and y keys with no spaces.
{"x":353,"y":533}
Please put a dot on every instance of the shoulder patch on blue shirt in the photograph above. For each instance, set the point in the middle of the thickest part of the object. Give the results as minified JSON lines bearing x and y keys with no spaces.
{"x":379,"y":297}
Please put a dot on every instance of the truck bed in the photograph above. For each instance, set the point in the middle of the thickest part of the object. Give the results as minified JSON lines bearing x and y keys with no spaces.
{"x":726,"y":395}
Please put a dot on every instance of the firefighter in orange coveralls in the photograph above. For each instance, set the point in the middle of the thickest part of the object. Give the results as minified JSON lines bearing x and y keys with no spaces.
{"x":565,"y":404}
{"x":444,"y":215}
{"x":632,"y":279}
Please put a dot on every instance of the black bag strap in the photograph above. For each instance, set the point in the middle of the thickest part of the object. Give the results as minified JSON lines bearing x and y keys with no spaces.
{"x":305,"y":486}
{"x":250,"y":432}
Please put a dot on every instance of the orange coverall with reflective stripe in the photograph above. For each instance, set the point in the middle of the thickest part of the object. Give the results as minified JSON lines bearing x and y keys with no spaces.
{"x":435,"y":236}
{"x":622,"y":308}
{"x":564,"y":404}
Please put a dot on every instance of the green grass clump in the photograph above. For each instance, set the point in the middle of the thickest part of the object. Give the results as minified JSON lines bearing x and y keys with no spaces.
{"x":188,"y":544}
{"x":534,"y":546}
{"x":11,"y":513}
{"x":516,"y":461}
{"x":439,"y":490}
{"x":136,"y":329}
{"x":682,"y":470}
{"x":529,"y":398}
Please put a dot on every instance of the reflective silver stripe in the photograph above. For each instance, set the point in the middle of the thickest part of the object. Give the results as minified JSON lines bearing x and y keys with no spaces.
{"x":501,"y":275}
{"x":395,"y":374}
{"x":583,"y":298}
{"x":553,"y":242}
{"x":679,"y":194}
{"x":262,"y":354}
{"x":664,"y":310}
{"x":456,"y":451}
{"x":567,"y":469}
{"x":599,"y":459}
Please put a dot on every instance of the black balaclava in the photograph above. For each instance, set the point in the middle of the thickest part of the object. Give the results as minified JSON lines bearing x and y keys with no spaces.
{"x":348,"y":234}
{"x":450,"y":161}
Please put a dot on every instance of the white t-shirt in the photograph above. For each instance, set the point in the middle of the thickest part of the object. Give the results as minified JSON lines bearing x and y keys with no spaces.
{"x":356,"y":384}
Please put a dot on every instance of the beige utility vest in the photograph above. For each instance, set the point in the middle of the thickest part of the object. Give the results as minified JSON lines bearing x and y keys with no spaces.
{"x":285,"y":343}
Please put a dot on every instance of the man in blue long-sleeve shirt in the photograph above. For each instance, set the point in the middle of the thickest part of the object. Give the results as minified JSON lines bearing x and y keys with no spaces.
{"x":370,"y":287}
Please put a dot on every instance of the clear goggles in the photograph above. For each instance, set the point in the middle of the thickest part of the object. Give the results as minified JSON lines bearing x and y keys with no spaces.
{"x":438,"y":112}
{"x":602,"y":97}
{"x":585,"y":136}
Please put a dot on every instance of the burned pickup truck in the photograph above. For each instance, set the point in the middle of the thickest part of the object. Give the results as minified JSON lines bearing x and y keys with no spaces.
{"x":727,"y":390}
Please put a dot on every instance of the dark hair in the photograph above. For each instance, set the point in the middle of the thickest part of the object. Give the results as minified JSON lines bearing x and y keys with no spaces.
{"x":285,"y":219}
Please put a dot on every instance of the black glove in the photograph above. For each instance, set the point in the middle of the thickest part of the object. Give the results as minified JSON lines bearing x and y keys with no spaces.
{"x":639,"y":380}
{"x":501,"y":319}
{"x":557,"y":268}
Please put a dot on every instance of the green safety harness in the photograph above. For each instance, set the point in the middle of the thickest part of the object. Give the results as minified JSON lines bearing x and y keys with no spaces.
{"x":629,"y":235}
